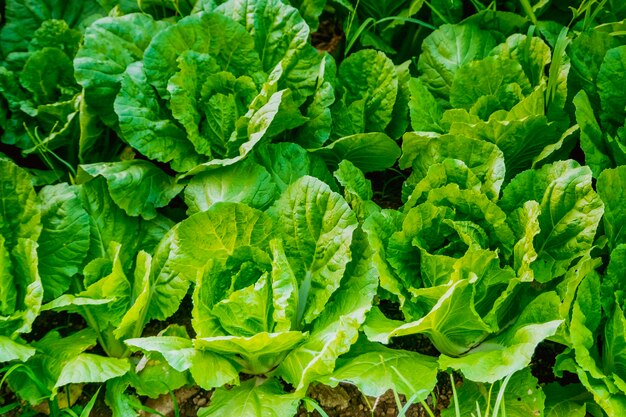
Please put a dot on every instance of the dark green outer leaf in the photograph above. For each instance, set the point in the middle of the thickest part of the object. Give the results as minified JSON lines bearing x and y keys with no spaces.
{"x":277,"y":28}
{"x":611,"y":81}
{"x":64,"y":239}
{"x":611,"y":187}
{"x":25,"y":16}
{"x":447,"y":49}
{"x":110,"y":45}
{"x":136,"y":186}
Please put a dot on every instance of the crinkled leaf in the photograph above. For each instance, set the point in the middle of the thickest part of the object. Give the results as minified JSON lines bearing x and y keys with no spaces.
{"x":108,"y":223}
{"x":64,"y":239}
{"x":610,"y":77}
{"x":424,"y":109}
{"x":369,"y":88}
{"x":246,"y":182}
{"x":500,"y":78}
{"x":25,"y":17}
{"x":145,"y":124}
{"x":110,"y":45}
{"x":224,"y":227}
{"x":287,"y":162}
{"x":136,"y":186}
{"x":447,"y":49}
{"x":203,"y":33}
{"x":611,"y":189}
{"x":277,"y":28}
{"x":570,"y":213}
{"x":317,"y":226}
{"x":20,"y":209}
{"x":337,"y":327}
{"x":484,"y":159}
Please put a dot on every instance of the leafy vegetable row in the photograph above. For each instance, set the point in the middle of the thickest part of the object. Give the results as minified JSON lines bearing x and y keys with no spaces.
{"x":159,"y":153}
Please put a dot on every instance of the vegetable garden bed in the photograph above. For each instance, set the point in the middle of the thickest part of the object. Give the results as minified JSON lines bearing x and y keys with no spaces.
{"x":313,"y":207}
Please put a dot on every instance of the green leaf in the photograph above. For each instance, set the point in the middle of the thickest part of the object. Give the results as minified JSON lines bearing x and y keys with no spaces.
{"x":145,"y":124}
{"x":484,"y":159}
{"x":110,"y":45}
{"x":524,"y":134}
{"x":177,"y":351}
{"x":143,"y":293}
{"x":500,"y":78}
{"x":317,"y":129}
{"x":223,"y":372}
{"x":511,"y":350}
{"x":158,"y":378}
{"x":586,"y":52}
{"x":356,"y":189}
{"x":10,"y":350}
{"x":209,"y":103}
{"x":284,"y":289}
{"x":287,"y":162}
{"x":28,"y":287}
{"x":88,"y":367}
{"x":245,"y":182}
{"x":570,"y":213}
{"x":425,"y":111}
{"x":310,"y":11}
{"x":8,"y":290}
{"x":46,"y":74}
{"x":379,"y":227}
{"x":610,"y":77}
{"x":201,"y":33}
{"x":136,"y":186}
{"x":25,"y":17}
{"x":532,"y":53}
{"x":246,"y":311}
{"x":610,"y":188}
{"x":278,"y":30}
{"x":53,"y":354}
{"x":317,"y":226}
{"x":374,"y":369}
{"x":337,"y":327}
{"x":225,"y":227}
{"x":20,"y":209}
{"x":253,"y":398}
{"x":64,"y":239}
{"x":569,"y":400}
{"x":447,"y":49}
{"x":108,"y":223}
{"x":400,"y":115}
{"x":592,"y":141}
{"x":257,"y":354}
{"x":369,"y":89}
{"x":368,"y":151}
{"x":121,"y":404}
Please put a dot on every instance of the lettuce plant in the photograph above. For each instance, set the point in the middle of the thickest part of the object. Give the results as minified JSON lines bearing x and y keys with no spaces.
{"x":278,"y":294}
